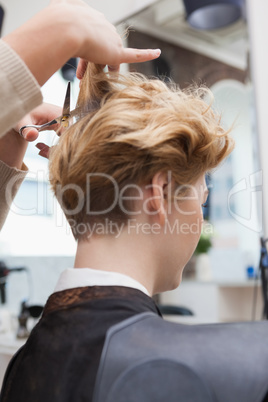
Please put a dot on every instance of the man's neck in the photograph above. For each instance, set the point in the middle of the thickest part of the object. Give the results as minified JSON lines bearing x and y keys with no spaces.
{"x":120,"y":255}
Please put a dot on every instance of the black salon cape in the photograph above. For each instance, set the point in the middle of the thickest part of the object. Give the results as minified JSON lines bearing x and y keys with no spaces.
{"x":61,"y":359}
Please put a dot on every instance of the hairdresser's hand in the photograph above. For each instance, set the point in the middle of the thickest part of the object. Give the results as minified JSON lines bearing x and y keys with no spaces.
{"x":12,"y":149}
{"x":40,"y":115}
{"x":13,"y":146}
{"x":121,"y":55}
{"x":97,"y":39}
{"x":70,"y":28}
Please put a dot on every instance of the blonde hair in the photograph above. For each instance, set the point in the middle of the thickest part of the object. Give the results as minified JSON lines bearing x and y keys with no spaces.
{"x":133,"y":127}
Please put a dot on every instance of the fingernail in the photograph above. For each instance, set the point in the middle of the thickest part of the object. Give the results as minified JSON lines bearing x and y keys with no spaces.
{"x":157,"y":52}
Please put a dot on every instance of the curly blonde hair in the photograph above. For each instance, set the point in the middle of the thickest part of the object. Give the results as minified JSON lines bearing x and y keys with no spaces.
{"x":133,"y":127}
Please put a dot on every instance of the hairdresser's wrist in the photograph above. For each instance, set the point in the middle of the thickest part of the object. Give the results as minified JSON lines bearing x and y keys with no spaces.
{"x":44,"y":43}
{"x":12,"y":149}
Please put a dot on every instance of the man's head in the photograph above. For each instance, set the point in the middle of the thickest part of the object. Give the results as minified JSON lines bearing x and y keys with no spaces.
{"x":135,"y":128}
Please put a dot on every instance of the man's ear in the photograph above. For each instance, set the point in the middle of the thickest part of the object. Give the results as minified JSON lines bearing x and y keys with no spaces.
{"x":158,"y":201}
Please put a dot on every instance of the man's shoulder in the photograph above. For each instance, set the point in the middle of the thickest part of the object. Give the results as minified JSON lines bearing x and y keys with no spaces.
{"x":223,"y":359}
{"x":152,"y":323}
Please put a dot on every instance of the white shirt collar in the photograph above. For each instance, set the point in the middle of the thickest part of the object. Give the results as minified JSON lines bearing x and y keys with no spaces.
{"x":79,"y":277}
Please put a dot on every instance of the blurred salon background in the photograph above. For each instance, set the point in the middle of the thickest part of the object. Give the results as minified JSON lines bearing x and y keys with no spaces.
{"x":220,"y":44}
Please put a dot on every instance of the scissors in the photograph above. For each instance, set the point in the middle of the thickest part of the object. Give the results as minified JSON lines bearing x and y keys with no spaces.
{"x":63,"y":120}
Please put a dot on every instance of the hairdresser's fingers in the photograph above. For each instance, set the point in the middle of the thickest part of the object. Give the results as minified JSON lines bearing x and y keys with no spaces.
{"x":81,"y":68}
{"x":38,"y":116}
{"x":114,"y":68}
{"x":130,"y":55}
{"x":126,"y":55}
{"x":30,"y":134}
{"x":44,"y":149}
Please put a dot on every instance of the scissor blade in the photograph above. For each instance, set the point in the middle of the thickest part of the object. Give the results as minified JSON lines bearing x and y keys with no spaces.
{"x":67,"y":101}
{"x":63,"y":118}
{"x":77,"y":112}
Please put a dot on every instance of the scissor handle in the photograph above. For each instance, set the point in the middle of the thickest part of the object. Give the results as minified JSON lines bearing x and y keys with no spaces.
{"x":39,"y":127}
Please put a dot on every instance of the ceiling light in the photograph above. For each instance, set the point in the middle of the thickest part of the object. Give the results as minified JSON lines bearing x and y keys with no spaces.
{"x":212,"y":14}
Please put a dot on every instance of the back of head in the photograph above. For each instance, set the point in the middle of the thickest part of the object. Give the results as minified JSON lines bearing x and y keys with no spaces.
{"x":132,"y":128}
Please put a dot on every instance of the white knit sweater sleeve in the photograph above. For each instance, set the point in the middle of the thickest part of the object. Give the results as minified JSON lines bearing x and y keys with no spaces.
{"x":10,"y":181}
{"x":20,"y":92}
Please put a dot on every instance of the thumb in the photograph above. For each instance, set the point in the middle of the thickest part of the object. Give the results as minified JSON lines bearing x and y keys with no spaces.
{"x":81,"y":68}
{"x":30,"y":134}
